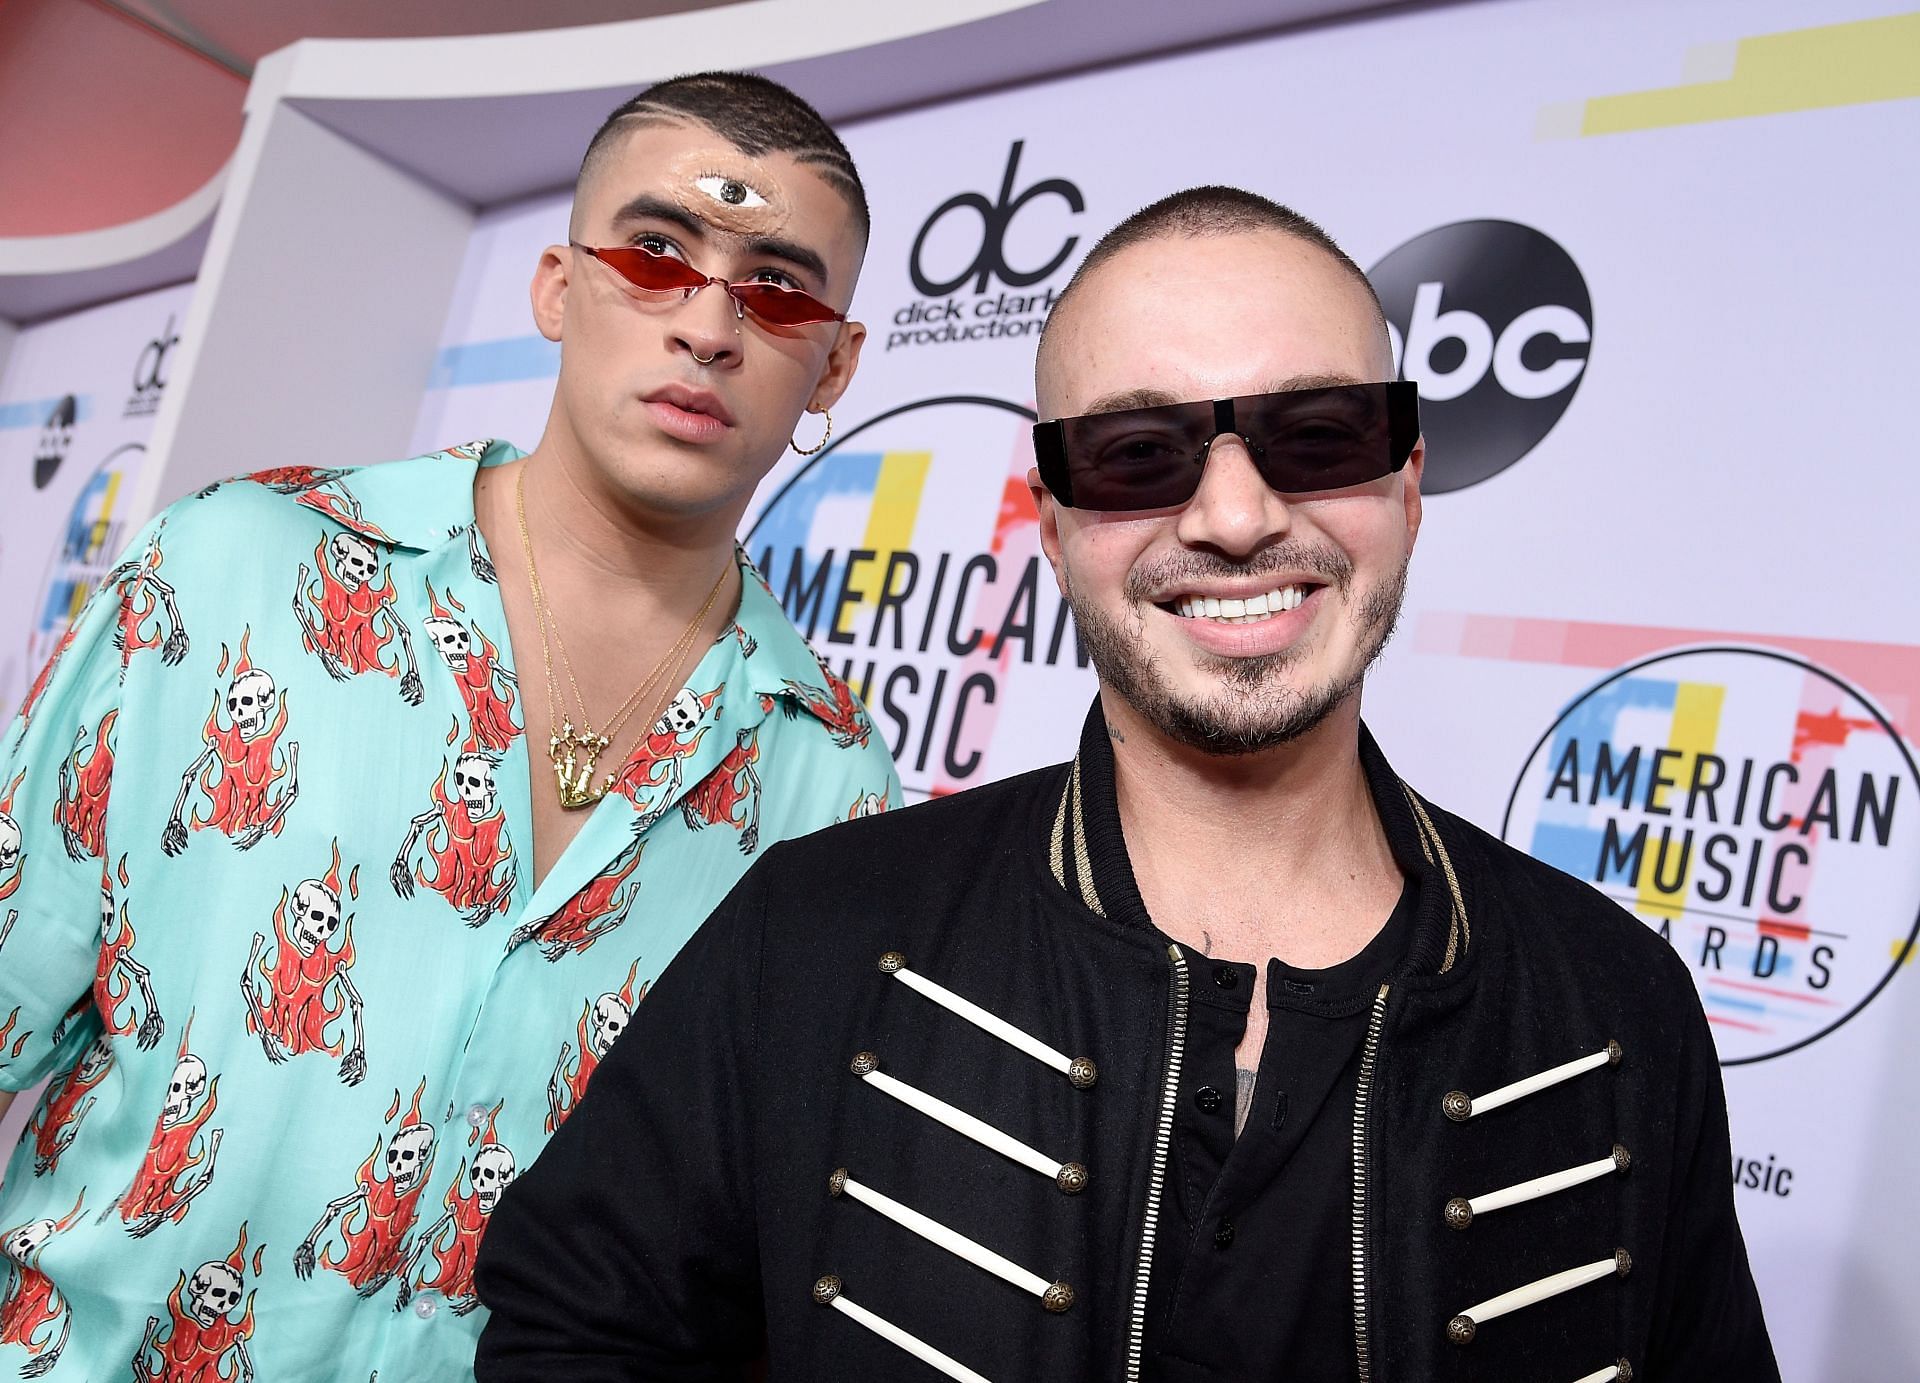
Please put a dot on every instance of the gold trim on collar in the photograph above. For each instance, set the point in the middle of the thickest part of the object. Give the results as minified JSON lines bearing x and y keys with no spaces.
{"x":1057,"y":855}
{"x":1459,"y":933}
{"x":1082,"y":866}
{"x":1459,"y":930}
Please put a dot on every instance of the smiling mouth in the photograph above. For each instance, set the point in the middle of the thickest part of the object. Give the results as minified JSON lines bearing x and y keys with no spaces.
{"x":1251,"y":610}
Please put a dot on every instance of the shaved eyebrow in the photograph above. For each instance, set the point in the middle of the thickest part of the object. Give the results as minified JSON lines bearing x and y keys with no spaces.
{"x":648,"y":207}
{"x":1160,"y":398}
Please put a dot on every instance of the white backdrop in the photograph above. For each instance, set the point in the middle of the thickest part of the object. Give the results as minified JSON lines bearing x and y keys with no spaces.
{"x":77,"y":400}
{"x":1649,"y":261}
{"x":1703,"y":449}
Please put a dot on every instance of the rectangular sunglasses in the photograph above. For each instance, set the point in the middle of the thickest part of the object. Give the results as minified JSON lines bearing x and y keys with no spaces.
{"x":1301,"y":440}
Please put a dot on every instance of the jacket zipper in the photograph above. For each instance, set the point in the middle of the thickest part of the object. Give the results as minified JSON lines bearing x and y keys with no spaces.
{"x":1162,"y":1141}
{"x":1361,"y":1102}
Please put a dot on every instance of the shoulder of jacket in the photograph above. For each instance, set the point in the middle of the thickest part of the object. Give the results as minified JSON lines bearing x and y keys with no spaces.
{"x":924,"y":840}
{"x":1542,"y":906}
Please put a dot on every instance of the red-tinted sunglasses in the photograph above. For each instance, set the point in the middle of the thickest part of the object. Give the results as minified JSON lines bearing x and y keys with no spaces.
{"x":656,"y":273}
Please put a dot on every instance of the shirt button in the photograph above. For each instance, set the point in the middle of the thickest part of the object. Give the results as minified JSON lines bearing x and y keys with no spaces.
{"x":1226,"y":977}
{"x":427,"y":1303}
{"x":1208,"y":1099}
{"x":476,"y":1115}
{"x":1223,"y":1236}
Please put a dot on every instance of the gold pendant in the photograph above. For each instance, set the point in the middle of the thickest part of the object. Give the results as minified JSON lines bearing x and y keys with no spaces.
{"x":573,"y":773}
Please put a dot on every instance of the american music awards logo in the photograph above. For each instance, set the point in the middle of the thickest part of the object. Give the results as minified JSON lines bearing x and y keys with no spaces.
{"x":1758,"y":812}
{"x":96,"y":532}
{"x":908,"y":552}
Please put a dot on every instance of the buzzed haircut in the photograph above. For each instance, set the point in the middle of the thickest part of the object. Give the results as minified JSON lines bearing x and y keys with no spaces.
{"x":754,"y":114}
{"x":1202,"y":212}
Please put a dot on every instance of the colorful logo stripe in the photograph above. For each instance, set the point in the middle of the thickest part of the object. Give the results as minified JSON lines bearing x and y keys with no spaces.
{"x":1801,"y":69}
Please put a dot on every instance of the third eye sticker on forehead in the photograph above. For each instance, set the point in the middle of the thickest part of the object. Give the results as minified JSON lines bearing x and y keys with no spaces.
{"x":1493,"y":321}
{"x":728,"y":190}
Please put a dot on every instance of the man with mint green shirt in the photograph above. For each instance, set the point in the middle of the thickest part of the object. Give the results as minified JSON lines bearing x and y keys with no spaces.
{"x":349,"y":826}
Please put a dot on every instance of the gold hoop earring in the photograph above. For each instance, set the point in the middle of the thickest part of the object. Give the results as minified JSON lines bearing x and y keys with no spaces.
{"x":819,"y":445}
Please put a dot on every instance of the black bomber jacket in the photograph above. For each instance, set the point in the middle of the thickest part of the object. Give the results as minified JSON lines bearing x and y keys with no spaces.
{"x":765,"y":1163}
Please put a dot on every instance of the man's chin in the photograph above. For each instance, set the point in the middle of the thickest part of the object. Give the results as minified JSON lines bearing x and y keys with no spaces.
{"x":679,"y":487}
{"x":1239,"y":723}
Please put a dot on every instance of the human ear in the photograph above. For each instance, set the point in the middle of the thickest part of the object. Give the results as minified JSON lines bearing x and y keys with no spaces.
{"x":1410,"y":481}
{"x":843,"y":358}
{"x":548,"y":291}
{"x":1048,"y":509}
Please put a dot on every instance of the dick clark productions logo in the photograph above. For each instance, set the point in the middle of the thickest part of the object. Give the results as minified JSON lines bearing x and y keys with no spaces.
{"x":1492,"y":319}
{"x":1015,"y":238}
{"x":150,"y":373}
{"x":1755,"y":810}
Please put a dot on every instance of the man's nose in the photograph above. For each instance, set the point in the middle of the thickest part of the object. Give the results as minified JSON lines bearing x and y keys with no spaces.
{"x":1234,"y":511}
{"x":707,"y":323}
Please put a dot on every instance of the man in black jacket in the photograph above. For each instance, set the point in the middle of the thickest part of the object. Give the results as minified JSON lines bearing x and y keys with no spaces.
{"x":1216,"y":1053}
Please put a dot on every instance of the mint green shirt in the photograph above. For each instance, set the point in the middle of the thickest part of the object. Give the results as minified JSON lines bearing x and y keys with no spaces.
{"x":269,"y":920}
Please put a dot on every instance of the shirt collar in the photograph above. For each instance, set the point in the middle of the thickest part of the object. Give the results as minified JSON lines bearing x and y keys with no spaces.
{"x":782,"y":662}
{"x":426,"y":501}
{"x":420,"y":503}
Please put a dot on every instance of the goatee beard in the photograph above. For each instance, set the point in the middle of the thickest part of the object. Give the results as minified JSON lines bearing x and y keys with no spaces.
{"x":1255,"y":709}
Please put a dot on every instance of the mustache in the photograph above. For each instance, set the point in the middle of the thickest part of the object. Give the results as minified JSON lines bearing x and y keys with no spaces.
{"x":1322,"y":560}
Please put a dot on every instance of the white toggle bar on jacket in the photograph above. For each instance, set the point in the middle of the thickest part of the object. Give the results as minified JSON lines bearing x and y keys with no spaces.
{"x":1534,"y":1292}
{"x":912,"y":1344}
{"x":949,"y":1239}
{"x":1461,"y":1107}
{"x":1543,"y":1186}
{"x":961,"y":1122}
{"x":895,"y":964}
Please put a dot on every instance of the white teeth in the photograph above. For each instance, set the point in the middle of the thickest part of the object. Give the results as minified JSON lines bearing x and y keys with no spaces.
{"x":1248,"y":611}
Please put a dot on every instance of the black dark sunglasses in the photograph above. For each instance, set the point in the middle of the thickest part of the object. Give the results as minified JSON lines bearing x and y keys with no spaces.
{"x":1301,"y":441}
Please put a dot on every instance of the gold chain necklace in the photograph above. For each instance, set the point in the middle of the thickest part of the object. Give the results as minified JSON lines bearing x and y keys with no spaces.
{"x":575,"y":752}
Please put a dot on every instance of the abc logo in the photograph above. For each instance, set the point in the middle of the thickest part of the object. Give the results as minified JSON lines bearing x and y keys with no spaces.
{"x":55,"y":440}
{"x":1492,"y":320}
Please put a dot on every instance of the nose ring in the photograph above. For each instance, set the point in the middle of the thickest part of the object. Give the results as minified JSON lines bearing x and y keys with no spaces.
{"x":703,"y":359}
